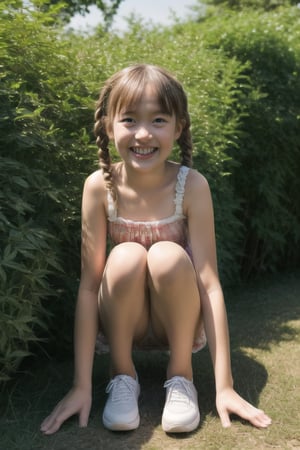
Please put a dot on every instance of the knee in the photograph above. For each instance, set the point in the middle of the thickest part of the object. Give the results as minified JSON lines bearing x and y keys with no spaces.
{"x":168,"y":262}
{"x":128,"y":259}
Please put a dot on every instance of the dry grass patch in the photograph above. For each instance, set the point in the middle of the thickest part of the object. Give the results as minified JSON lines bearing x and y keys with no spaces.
{"x":264,"y":320}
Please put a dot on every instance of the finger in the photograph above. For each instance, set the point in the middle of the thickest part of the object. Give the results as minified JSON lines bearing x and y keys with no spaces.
{"x":53,"y":425}
{"x":260,"y":419}
{"x":84,"y":417}
{"x":49,"y":419}
{"x":255,"y":416}
{"x":225,"y":420}
{"x":46,"y":424}
{"x":54,"y":421}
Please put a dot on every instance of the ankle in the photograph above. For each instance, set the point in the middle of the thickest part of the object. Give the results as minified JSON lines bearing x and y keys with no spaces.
{"x":187,"y":374}
{"x":131,"y":372}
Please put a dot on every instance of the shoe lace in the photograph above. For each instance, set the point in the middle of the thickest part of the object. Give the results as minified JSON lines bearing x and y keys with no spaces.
{"x":122,"y":388}
{"x":179,"y":389}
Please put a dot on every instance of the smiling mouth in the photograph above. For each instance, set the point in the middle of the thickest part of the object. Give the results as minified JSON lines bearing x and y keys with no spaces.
{"x":143,"y":151}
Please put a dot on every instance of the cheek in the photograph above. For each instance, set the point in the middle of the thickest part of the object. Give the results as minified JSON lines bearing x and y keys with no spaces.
{"x":121,"y":132}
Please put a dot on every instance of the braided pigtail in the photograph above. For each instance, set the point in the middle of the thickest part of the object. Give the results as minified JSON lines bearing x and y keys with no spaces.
{"x":102,"y":140}
{"x":186,"y":145}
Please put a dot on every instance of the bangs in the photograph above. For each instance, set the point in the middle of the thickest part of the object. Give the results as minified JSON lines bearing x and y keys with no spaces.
{"x":128,"y":91}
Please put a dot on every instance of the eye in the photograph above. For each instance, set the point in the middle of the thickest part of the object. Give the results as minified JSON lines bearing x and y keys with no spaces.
{"x":159,"y":120}
{"x":127,"y":120}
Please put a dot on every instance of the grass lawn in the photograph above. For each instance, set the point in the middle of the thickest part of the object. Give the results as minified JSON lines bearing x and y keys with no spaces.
{"x":264,"y":320}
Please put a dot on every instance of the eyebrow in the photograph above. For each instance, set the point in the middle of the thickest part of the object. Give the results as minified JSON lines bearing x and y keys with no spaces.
{"x":127,"y":111}
{"x":159,"y":111}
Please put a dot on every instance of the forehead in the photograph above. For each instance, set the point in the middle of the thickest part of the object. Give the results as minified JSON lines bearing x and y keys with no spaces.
{"x":147,"y":101}
{"x":145,"y":95}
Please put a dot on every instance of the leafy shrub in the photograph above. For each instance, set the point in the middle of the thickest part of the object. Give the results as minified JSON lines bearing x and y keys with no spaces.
{"x":27,"y":259}
{"x":246,"y":137}
{"x":268,"y":160}
{"x":43,"y":108}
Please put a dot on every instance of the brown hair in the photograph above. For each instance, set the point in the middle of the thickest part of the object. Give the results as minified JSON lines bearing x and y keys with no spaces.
{"x":125,"y":88}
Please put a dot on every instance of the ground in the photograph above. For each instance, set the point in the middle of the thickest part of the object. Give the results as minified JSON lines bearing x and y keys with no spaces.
{"x":264,"y":320}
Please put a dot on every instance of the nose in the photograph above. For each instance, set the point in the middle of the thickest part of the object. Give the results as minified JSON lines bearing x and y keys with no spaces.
{"x":142,"y":132}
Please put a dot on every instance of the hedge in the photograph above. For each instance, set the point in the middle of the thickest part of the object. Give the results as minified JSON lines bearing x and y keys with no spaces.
{"x":246,"y":137}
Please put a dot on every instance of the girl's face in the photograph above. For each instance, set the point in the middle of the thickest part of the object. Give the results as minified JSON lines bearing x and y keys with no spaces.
{"x":143,"y":134}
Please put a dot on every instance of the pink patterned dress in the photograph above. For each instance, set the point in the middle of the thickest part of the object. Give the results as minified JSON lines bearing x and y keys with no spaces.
{"x":146,"y":233}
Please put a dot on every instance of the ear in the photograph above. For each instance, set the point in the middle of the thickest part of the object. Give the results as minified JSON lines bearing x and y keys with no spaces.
{"x":179,"y":127}
{"x":109,"y":129}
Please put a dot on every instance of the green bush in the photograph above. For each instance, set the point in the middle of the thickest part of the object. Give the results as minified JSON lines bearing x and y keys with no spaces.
{"x":240,"y":73}
{"x":44,"y":157}
{"x":266,"y":180}
{"x":27,"y":259}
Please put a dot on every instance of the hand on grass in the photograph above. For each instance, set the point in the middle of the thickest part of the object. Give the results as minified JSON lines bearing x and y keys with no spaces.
{"x":229,"y":402}
{"x":77,"y":401}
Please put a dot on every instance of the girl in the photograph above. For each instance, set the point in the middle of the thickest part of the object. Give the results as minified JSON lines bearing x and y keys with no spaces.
{"x":159,"y":285}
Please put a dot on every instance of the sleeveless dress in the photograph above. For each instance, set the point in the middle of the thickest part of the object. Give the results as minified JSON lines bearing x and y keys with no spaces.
{"x":146,"y":233}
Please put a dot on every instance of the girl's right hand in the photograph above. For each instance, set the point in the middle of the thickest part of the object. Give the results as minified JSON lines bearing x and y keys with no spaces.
{"x":77,"y":401}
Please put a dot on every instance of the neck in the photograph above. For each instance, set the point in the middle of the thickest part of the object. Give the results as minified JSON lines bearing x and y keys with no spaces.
{"x":144,"y":179}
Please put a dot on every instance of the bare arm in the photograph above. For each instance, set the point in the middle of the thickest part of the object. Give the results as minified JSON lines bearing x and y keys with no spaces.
{"x":202,"y":234}
{"x":86,"y":327}
{"x":93,"y":249}
{"x":93,"y":252}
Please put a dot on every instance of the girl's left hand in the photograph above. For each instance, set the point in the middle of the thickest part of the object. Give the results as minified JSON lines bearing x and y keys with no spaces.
{"x":230,"y":402}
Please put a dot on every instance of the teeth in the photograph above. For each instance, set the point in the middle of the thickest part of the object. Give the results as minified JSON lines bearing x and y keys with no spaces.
{"x":143,"y":151}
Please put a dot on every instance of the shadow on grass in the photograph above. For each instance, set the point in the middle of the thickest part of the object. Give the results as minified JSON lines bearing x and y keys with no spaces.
{"x":33,"y":397}
{"x":259,"y":316}
{"x":259,"y":313}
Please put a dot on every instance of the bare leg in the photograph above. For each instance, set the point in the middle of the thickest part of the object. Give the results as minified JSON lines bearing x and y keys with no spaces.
{"x":124,"y":309}
{"x":175,"y":303}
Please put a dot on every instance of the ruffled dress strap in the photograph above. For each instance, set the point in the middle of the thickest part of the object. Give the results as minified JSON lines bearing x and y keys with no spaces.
{"x":180,"y":188}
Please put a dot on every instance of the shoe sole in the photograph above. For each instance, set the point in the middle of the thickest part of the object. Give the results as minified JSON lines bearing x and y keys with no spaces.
{"x":179,"y":428}
{"x":121,"y":426}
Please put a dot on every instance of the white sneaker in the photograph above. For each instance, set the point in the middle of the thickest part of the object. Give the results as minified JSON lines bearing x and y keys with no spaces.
{"x":121,"y":411}
{"x":181,"y":412}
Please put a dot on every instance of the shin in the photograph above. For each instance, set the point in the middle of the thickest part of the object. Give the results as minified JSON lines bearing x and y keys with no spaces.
{"x":174,"y":303}
{"x":124,"y":311}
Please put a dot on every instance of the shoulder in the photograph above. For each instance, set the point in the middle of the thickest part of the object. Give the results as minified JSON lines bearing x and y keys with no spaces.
{"x":197,"y":193}
{"x":94,"y":190}
{"x":196,"y":183}
{"x":95,"y":181}
{"x":94,"y":184}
